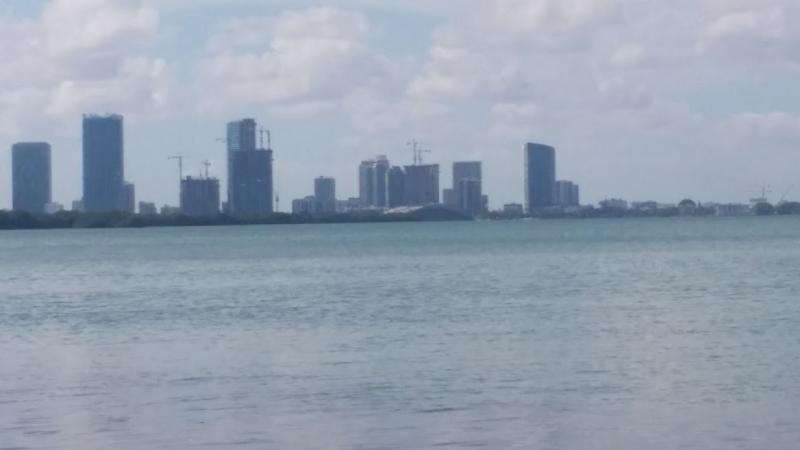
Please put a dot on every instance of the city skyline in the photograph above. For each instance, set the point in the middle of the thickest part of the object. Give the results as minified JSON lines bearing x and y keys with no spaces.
{"x":638,"y":108}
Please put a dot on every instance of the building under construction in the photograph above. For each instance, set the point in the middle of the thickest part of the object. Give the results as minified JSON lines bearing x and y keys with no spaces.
{"x":421,"y":185}
{"x":250,"y":186}
{"x":200,"y":196}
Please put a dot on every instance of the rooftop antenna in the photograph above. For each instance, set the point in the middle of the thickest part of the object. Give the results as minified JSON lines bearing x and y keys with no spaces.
{"x":207,"y":164}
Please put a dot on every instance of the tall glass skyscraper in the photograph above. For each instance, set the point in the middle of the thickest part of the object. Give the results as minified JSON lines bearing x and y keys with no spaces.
{"x":31,"y":176}
{"x":366,"y":183}
{"x":381,"y":195}
{"x":103,"y":163}
{"x":540,"y":176}
{"x":250,"y":181}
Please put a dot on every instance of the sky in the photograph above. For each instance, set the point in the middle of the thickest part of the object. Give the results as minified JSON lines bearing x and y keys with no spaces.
{"x":643,"y":99}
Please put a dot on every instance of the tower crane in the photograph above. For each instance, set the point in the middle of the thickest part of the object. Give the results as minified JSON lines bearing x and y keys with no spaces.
{"x":179,"y":158}
{"x":418,"y":151}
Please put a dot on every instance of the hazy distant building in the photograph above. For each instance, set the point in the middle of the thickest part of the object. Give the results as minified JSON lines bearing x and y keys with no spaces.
{"x":366,"y":183}
{"x":325,"y":194}
{"x":567,"y":194}
{"x":468,"y":186}
{"x":103,"y":163}
{"x":513,"y":209}
{"x":614,"y":203}
{"x":53,"y":208}
{"x":351,"y":204}
{"x":449,"y":198}
{"x":421,"y":185}
{"x":130,"y":198}
{"x":167,"y":210}
{"x":200,"y":196}
{"x":470,"y":196}
{"x":31,"y":176}
{"x":250,"y":171}
{"x":307,"y":205}
{"x":380,"y":182}
{"x":396,"y":187}
{"x":77,"y":206}
{"x":540,"y":176}
{"x":147,"y":209}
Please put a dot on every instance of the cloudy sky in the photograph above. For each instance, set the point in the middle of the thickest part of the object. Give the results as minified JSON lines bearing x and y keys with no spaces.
{"x":644,"y":99}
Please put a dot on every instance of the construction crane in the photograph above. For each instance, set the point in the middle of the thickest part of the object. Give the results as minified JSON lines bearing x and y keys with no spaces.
{"x":786,"y":194}
{"x":179,"y":158}
{"x":207,"y":164}
{"x":418,"y":151}
{"x":277,"y":201}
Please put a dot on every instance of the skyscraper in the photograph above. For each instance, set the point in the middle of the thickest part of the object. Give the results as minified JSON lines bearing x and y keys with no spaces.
{"x":103,"y":163}
{"x":31,"y":176}
{"x":470,"y":196}
{"x":396,"y":187}
{"x":540,"y":176}
{"x":380,"y":183}
{"x":250,"y":185}
{"x":200,"y":196}
{"x":366,"y":183}
{"x":325,"y":194}
{"x":472,"y":172}
{"x":422,"y":185}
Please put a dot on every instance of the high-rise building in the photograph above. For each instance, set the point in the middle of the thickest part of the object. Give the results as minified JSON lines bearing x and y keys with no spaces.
{"x":103,"y":163}
{"x":240,"y":136}
{"x":31,"y":176}
{"x":396,"y":187}
{"x":540,"y":176}
{"x":470,"y":196}
{"x":250,"y":180}
{"x":325,"y":194}
{"x":130,"y":198}
{"x":380,"y":183}
{"x":422,"y":185}
{"x":567,"y":194}
{"x":468,"y":174}
{"x":366,"y":183}
{"x":252,"y":183}
{"x":200,"y":196}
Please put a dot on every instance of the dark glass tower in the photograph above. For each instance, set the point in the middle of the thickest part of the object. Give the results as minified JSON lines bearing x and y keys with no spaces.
{"x":31,"y":176}
{"x":103,"y":164}
{"x":250,"y":183}
{"x":540,"y":177}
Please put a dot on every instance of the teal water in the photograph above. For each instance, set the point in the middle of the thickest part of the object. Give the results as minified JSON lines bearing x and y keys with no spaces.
{"x":619,"y":334}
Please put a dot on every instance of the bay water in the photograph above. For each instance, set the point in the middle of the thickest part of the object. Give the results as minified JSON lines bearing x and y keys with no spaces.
{"x":596,"y":334}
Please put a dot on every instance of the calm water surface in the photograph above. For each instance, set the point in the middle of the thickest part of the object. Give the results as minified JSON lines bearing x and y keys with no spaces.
{"x":643,"y":334}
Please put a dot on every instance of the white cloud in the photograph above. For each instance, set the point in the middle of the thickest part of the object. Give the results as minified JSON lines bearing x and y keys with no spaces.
{"x":301,"y":60}
{"x":76,"y":56}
